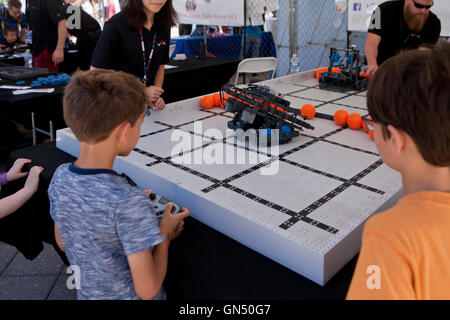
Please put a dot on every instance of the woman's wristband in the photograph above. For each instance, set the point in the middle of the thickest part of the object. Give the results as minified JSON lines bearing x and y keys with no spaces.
{"x":3,"y":179}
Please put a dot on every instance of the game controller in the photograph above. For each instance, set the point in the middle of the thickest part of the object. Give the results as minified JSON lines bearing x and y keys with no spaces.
{"x":159,"y":202}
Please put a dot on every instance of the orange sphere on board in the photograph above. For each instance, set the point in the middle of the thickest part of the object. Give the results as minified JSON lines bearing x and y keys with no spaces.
{"x":340,"y":117}
{"x":216,"y":99}
{"x":336,"y":70}
{"x":207,"y":102}
{"x":319,"y":71}
{"x":308,"y":111}
{"x":354,"y":121}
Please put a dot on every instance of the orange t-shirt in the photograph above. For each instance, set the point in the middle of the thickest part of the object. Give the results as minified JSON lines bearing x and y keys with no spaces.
{"x":405,"y":251}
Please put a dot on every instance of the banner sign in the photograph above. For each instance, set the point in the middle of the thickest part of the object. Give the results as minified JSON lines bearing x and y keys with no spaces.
{"x":210,"y":12}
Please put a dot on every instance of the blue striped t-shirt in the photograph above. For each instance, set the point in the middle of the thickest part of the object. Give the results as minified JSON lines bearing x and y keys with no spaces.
{"x":102,"y":219}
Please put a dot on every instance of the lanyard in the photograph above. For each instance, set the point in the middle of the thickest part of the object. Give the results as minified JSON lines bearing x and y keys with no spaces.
{"x":144,"y":58}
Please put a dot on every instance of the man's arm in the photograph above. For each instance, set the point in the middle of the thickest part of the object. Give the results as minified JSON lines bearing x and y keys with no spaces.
{"x":371,"y":51}
{"x":58,"y":54}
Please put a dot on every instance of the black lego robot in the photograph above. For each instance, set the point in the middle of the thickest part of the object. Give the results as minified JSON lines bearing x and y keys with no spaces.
{"x":260,"y":108}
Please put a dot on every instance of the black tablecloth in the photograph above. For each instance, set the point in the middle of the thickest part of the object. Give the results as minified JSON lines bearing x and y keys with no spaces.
{"x":203,"y":263}
{"x":195,"y":77}
{"x":11,"y":60}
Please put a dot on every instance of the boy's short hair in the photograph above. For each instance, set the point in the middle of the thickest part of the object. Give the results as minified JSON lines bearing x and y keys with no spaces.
{"x":14,"y":3}
{"x":411,"y":92}
{"x":96,"y":102}
{"x":7,"y":29}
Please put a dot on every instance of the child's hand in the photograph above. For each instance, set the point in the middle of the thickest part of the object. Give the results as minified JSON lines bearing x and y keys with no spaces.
{"x":172,"y":225}
{"x":32,"y":182}
{"x":16,"y":171}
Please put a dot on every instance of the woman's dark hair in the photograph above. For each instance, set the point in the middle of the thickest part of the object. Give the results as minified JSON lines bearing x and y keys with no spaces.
{"x":136,"y":17}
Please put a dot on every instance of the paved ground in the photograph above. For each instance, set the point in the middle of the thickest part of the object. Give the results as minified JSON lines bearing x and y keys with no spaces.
{"x":44,"y":278}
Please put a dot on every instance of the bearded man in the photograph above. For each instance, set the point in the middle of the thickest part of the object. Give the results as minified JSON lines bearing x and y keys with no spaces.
{"x":398,"y":25}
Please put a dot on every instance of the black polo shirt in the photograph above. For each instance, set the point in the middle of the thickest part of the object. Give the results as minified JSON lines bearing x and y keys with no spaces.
{"x":395,"y":34}
{"x":44,"y":16}
{"x":119,"y":48}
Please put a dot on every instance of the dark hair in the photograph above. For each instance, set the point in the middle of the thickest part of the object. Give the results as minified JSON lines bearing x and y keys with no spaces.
{"x":136,"y":17}
{"x":411,"y":91}
{"x":7,"y":29}
{"x":14,"y":3}
{"x":96,"y":102}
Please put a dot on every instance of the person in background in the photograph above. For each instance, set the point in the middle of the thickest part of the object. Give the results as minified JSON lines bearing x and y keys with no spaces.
{"x":396,"y":25}
{"x":47,"y":20}
{"x":253,"y":41}
{"x":14,"y":18}
{"x":9,"y":38}
{"x":87,"y":36}
{"x":405,"y":250}
{"x":137,"y":40}
{"x":184,"y":29}
{"x":10,"y":204}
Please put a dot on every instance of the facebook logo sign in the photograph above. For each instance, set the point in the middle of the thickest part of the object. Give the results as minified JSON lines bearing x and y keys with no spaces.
{"x":357,"y":6}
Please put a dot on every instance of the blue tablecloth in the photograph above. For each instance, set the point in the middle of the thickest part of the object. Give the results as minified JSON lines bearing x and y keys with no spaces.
{"x":223,"y":47}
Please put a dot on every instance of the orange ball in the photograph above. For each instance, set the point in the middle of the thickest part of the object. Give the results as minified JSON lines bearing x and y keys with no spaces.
{"x":308,"y":111}
{"x":336,"y":70}
{"x":319,"y":71}
{"x":354,"y":121}
{"x":207,"y":102}
{"x":216,"y":100}
{"x":340,"y":117}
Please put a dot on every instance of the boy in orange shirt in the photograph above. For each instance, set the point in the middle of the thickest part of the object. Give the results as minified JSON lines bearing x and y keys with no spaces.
{"x":405,"y":251}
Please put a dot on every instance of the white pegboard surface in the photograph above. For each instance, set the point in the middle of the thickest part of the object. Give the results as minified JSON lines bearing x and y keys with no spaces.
{"x":308,"y":216}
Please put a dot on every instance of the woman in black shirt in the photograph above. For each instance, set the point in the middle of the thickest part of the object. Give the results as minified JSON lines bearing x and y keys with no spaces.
{"x":137,"y":40}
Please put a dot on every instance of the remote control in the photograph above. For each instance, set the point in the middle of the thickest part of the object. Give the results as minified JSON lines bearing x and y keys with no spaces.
{"x":159,"y":202}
